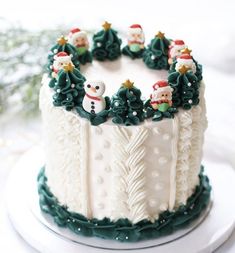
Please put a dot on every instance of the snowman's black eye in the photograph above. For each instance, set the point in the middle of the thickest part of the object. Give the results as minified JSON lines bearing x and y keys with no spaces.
{"x":88,"y":86}
{"x":97,"y":87}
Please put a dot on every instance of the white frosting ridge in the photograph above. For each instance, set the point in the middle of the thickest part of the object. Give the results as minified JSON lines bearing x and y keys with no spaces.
{"x":184,"y":147}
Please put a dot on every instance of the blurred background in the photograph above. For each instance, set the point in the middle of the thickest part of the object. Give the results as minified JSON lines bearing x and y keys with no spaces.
{"x":29,"y":28}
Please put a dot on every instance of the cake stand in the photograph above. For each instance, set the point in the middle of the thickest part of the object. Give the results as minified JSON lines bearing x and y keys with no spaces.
{"x":204,"y":235}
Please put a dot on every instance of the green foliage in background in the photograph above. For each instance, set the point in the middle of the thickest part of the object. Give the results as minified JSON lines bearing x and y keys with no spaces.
{"x":23,"y":56}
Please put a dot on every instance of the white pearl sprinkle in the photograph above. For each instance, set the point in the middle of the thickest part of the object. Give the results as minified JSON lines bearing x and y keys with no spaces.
{"x":55,"y":51}
{"x":100,"y":180}
{"x":108,"y":169}
{"x":98,"y":44}
{"x":106,"y":144}
{"x":153,"y":57}
{"x":134,"y":113}
{"x":79,"y":229}
{"x":156,"y":151}
{"x":98,"y":156}
{"x":116,"y":103}
{"x":163,"y":207}
{"x":152,"y":203}
{"x":158,"y":187}
{"x":190,"y":101}
{"x":72,"y":85}
{"x":166,"y":137}
{"x":58,"y":90}
{"x":189,"y":84}
{"x":162,"y":160}
{"x":155,"y":174}
{"x":127,"y":237}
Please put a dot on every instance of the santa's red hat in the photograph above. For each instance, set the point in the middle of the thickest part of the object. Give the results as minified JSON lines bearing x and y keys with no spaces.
{"x":62,"y":56}
{"x":179,"y":43}
{"x":136,"y":28}
{"x":160,"y":85}
{"x":76,"y":32}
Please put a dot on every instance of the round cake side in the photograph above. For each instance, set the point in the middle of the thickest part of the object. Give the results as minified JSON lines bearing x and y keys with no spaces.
{"x":119,"y":172}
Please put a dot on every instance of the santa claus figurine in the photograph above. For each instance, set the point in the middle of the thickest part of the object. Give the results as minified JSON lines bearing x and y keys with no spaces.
{"x":161,"y":98}
{"x":60,"y":60}
{"x":175,"y":50}
{"x":136,"y":39}
{"x":187,"y":61}
{"x":93,"y":101}
{"x":79,"y":39}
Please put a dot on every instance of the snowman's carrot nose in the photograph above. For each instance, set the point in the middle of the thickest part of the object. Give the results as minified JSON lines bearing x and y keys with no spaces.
{"x":93,"y":89}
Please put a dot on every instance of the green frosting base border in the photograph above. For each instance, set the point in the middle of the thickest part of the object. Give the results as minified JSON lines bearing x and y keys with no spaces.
{"x":123,"y":230}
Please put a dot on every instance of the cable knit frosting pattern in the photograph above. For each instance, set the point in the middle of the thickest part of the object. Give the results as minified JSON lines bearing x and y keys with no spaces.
{"x":129,"y":167}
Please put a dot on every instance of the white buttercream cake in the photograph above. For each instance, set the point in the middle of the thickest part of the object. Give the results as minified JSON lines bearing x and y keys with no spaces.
{"x":120,"y":172}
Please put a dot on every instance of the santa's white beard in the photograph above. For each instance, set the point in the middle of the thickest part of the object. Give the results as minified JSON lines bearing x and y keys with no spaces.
{"x":191,"y":65}
{"x":56,"y":65}
{"x":141,"y":40}
{"x":174,"y":52}
{"x":159,"y":99}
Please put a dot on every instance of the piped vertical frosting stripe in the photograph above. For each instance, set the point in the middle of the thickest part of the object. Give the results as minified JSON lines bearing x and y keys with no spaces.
{"x":84,"y":151}
{"x":174,"y":152}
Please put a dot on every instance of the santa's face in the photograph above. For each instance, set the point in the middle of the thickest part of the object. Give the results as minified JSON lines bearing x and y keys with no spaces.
{"x":162,"y":95}
{"x":139,"y":37}
{"x":94,"y":88}
{"x":80,"y":41}
{"x":187,"y":63}
{"x":60,"y":63}
{"x":176,"y":51}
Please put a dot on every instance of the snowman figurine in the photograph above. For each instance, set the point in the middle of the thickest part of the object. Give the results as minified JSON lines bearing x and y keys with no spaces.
{"x":93,"y":101}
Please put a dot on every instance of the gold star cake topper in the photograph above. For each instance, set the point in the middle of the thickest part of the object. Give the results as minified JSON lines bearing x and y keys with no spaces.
{"x":68,"y":67}
{"x":106,"y":25}
{"x":183,"y":69}
{"x":62,"y":41}
{"x":186,"y":51}
{"x":160,"y":35}
{"x":128,"y":84}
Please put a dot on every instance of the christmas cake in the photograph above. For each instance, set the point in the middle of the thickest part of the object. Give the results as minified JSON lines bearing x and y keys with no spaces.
{"x":123,"y":130}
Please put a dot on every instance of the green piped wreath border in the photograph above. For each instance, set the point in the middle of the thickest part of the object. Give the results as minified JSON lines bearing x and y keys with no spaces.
{"x":123,"y":230}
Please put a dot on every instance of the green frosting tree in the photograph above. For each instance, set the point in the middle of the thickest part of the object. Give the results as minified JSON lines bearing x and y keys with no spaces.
{"x":133,"y":54}
{"x":106,"y":44}
{"x":156,"y":55}
{"x":198,"y":73}
{"x":62,"y":45}
{"x":69,"y":88}
{"x":127,"y":106}
{"x":186,"y":88}
{"x":84,"y":57}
